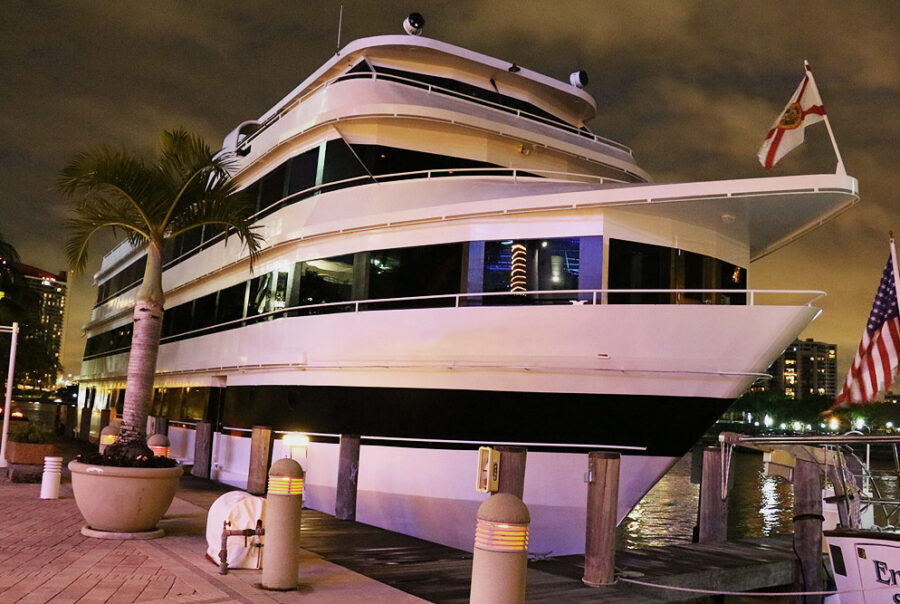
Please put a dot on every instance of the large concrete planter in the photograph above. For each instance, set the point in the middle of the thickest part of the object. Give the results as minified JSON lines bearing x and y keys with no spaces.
{"x":127,"y":501}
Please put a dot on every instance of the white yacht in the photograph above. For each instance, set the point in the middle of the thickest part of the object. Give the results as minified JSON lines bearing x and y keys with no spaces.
{"x":453,"y":259}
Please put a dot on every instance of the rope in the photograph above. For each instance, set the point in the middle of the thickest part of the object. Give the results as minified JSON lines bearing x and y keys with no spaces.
{"x":726,"y":450}
{"x":767,"y":594}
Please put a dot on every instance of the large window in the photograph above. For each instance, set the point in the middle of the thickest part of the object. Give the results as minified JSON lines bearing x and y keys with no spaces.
{"x":326,"y":280}
{"x":517,"y":266}
{"x":415,"y":271}
{"x":643,"y":266}
{"x":513,"y":267}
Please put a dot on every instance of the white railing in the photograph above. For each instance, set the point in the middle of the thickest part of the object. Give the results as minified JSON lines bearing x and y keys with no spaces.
{"x":430,"y":88}
{"x":574,"y":297}
{"x":581,"y":297}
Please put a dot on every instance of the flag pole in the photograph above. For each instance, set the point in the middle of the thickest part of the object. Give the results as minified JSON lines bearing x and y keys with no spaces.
{"x":840,"y":162}
{"x":896,"y":270}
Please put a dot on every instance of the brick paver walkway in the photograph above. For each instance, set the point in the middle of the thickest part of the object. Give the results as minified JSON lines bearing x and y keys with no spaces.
{"x":44,"y":558}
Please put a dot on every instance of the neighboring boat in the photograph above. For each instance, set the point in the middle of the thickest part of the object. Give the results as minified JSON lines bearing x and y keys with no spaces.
{"x":860,"y":508}
{"x":453,"y":259}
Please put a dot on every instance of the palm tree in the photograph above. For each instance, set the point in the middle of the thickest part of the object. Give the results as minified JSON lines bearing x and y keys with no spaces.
{"x":184,"y":188}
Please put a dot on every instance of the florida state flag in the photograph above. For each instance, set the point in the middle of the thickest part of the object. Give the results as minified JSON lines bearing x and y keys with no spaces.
{"x":804,"y":108}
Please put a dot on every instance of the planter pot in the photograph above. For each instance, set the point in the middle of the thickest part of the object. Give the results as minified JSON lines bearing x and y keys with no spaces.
{"x":123,"y":500}
{"x":28,"y":453}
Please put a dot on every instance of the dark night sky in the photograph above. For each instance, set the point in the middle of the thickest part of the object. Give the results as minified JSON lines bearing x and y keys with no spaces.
{"x":692,"y":86}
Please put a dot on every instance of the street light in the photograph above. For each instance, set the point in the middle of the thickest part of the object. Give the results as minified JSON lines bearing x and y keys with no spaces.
{"x":7,"y":407}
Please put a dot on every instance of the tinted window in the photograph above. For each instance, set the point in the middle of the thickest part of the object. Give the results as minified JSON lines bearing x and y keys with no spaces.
{"x":177,"y":320}
{"x":259,"y":296}
{"x":340,"y":162}
{"x":416,"y":271}
{"x":389,"y":160}
{"x":326,"y":280}
{"x":302,"y":173}
{"x":231,"y":303}
{"x":204,"y":311}
{"x":272,"y":187}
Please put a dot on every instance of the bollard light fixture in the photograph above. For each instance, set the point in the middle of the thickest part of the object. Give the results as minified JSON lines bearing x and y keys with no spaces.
{"x":283,"y":508}
{"x":109,"y":435}
{"x":286,"y":478}
{"x":500,"y":557}
{"x":501,"y":536}
{"x":159,"y":444}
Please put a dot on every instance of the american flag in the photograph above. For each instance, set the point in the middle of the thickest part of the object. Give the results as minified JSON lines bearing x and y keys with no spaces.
{"x":876,"y":360}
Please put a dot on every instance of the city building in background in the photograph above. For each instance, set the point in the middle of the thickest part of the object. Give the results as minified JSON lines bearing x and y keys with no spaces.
{"x":42,"y":329}
{"x":806,"y":368}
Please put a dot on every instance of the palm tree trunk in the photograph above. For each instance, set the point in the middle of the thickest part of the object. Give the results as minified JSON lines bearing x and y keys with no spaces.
{"x":148,"y":314}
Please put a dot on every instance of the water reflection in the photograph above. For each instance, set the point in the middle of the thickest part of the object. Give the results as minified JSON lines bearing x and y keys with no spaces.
{"x":760,"y":506}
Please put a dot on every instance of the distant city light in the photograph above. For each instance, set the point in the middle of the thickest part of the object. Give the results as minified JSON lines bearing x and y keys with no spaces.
{"x":834,"y":424}
{"x":889,"y":425}
{"x":768,"y":421}
{"x":860,"y":423}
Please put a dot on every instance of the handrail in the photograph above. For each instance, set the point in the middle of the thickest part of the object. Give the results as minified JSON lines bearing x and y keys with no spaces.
{"x":562,"y":125}
{"x":596,"y":298}
{"x":514,"y":173}
{"x":355,"y":304}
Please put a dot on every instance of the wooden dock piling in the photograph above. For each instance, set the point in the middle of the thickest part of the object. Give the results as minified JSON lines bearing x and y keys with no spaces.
{"x":260,"y":459}
{"x":712,"y":521}
{"x":203,"y":441}
{"x":602,"y":503}
{"x":808,"y":528}
{"x":348,"y":478}
{"x":512,"y":470}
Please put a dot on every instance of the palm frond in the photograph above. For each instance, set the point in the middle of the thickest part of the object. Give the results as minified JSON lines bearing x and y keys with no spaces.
{"x":95,"y":214}
{"x":222,"y":206}
{"x":185,"y":187}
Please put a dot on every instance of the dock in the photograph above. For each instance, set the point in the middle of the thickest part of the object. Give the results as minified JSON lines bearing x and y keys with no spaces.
{"x":441,"y":574}
{"x":45,"y":558}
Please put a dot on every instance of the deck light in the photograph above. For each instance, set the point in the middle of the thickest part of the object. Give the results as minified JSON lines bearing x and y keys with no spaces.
{"x":294,"y":446}
{"x":159,"y":444}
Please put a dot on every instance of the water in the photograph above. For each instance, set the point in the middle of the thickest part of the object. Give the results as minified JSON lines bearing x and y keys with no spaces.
{"x":759,"y":506}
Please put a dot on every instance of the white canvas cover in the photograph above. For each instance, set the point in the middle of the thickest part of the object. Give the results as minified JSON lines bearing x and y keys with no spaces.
{"x":242,"y":510}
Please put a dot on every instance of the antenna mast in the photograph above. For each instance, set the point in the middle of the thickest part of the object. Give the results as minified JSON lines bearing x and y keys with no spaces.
{"x":340,"y":21}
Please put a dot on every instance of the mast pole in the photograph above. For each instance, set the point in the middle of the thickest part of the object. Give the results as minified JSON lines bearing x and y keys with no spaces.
{"x":840,"y":169}
{"x":896,"y":270}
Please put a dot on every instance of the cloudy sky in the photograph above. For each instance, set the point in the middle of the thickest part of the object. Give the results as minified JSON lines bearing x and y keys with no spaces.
{"x":692,"y":86}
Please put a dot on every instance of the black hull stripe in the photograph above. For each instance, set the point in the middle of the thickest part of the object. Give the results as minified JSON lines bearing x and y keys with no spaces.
{"x":648,"y":425}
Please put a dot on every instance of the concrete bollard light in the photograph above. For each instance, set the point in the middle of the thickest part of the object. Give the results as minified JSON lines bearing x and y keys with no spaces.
{"x":159,"y":444}
{"x":500,"y":559}
{"x":283,"y":504}
{"x":50,"y":478}
{"x":109,"y":435}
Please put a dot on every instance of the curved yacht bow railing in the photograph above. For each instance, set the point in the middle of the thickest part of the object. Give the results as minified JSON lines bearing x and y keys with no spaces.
{"x":431,"y":88}
{"x":573,"y":298}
